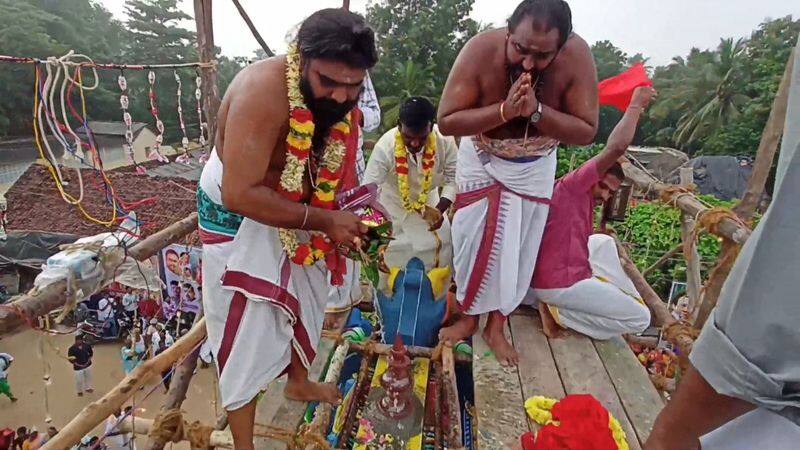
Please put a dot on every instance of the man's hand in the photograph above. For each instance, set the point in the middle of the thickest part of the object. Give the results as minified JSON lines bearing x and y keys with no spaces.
{"x":434,"y":217}
{"x":518,"y":98}
{"x":642,"y":97}
{"x":344,"y":228}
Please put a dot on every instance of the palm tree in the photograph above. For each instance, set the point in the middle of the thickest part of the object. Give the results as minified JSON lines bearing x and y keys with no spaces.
{"x":713,"y":96}
{"x":414,"y":80}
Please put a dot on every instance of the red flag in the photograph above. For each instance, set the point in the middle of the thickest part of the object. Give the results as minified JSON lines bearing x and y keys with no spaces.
{"x":617,"y":91}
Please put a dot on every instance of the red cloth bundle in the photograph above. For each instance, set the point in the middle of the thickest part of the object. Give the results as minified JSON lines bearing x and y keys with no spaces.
{"x":583,"y":425}
{"x":617,"y":91}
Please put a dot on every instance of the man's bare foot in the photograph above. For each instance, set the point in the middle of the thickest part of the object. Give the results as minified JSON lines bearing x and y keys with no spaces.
{"x":549,"y":325}
{"x":464,"y":327}
{"x":503,"y":350}
{"x":309,"y":391}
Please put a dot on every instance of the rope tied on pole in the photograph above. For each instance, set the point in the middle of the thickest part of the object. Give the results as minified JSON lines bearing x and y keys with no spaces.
{"x":170,"y":426}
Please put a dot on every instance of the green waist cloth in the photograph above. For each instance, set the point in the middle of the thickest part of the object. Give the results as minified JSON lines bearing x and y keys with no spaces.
{"x":214,"y":217}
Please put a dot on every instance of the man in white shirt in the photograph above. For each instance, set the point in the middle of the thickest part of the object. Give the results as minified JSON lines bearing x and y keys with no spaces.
{"x":412,"y":163}
{"x":5,"y":363}
{"x":130,"y":302}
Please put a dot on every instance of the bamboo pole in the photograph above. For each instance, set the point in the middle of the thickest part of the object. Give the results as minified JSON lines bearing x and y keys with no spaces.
{"x":450,"y":393}
{"x":755,"y":189}
{"x":767,"y":147}
{"x":99,"y":410}
{"x":219,"y":439}
{"x":658,"y":309}
{"x":694,"y":282}
{"x":37,"y":303}
{"x":413,"y":351}
{"x":179,"y":385}
{"x":686,"y":202}
{"x":323,"y":412}
{"x":253,"y":29}
{"x":206,"y":50}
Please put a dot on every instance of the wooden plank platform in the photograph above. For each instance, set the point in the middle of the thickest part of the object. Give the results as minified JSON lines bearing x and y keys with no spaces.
{"x":569,"y":364}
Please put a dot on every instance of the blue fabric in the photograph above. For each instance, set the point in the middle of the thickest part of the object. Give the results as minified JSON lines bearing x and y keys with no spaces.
{"x":412,"y":311}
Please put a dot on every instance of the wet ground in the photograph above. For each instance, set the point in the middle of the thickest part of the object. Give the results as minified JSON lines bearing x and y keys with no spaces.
{"x":35,"y":354}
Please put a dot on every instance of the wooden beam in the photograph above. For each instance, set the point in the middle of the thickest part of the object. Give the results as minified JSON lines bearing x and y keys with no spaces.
{"x":688,"y":203}
{"x":98,"y":411}
{"x":767,"y":148}
{"x":37,"y":303}
{"x":755,"y":188}
{"x":450,"y":395}
{"x":658,"y":308}
{"x":253,"y":29}
{"x":346,"y":4}
{"x":694,"y":282}
{"x":179,"y":385}
{"x":413,"y":351}
{"x":322,"y":414}
{"x":205,"y":46}
{"x":219,"y":439}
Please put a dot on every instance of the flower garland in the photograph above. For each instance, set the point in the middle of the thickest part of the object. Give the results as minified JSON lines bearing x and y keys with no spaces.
{"x":401,"y":166}
{"x":298,"y":146}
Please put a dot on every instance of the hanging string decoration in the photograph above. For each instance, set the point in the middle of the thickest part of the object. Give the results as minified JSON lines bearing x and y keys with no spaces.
{"x":184,"y":158}
{"x":126,"y":118}
{"x":198,"y":94}
{"x":156,"y":153}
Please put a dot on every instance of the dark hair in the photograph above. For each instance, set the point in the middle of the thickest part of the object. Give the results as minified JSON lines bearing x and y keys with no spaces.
{"x":417,"y":113}
{"x":174,"y":283}
{"x":339,"y":35}
{"x":617,"y":171}
{"x":547,"y":13}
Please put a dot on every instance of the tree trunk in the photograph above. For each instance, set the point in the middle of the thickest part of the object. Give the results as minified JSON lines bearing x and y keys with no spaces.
{"x":658,"y":309}
{"x":205,"y":47}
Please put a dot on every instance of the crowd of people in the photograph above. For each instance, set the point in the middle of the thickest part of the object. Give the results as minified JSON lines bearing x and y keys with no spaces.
{"x":25,"y":438}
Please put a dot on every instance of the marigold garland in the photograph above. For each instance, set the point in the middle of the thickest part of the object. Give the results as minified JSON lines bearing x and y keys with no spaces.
{"x":298,"y":146}
{"x":401,"y":166}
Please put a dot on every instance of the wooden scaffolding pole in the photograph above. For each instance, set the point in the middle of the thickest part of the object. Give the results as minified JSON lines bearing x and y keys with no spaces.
{"x":179,"y":385}
{"x":99,"y":410}
{"x":755,"y":189}
{"x":218,"y":439}
{"x":686,"y":202}
{"x":37,"y":303}
{"x":205,"y":47}
{"x":253,"y":29}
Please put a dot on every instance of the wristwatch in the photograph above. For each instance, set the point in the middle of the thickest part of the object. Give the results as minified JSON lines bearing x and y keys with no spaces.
{"x":536,"y":116}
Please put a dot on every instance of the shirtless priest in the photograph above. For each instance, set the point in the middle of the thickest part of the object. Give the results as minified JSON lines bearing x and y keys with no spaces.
{"x":513,"y":94}
{"x":271,"y":232}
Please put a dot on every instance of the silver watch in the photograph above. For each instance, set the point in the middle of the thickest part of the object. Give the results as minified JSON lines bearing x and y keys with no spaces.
{"x":536,"y":116}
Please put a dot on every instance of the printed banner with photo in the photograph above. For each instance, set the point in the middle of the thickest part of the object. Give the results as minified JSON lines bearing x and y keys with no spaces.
{"x":183,"y":276}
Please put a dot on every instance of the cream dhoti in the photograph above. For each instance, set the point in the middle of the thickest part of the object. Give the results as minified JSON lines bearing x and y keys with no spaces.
{"x":602,"y":306}
{"x":501,"y":213}
{"x":259,"y":307}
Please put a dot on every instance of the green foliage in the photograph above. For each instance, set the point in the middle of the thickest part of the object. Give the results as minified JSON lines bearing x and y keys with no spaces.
{"x":717,"y":101}
{"x":654,"y":228}
{"x":571,"y":158}
{"x":418,"y":41}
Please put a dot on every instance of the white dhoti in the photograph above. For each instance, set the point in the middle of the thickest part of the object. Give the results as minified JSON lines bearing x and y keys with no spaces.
{"x":603,"y":306}
{"x":348,"y":294}
{"x":259,"y":307}
{"x":501,"y":213}
{"x":413,"y":238}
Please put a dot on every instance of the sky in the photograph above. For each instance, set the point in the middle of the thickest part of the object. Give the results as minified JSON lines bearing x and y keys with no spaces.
{"x":659,"y":29}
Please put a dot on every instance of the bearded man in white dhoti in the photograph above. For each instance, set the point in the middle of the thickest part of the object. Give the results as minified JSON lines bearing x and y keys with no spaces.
{"x":514,"y":94}
{"x":411,"y":163}
{"x":271,"y":231}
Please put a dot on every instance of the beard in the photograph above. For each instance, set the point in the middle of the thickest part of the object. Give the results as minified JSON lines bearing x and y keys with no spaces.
{"x":327,"y":112}
{"x":516,"y":70}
